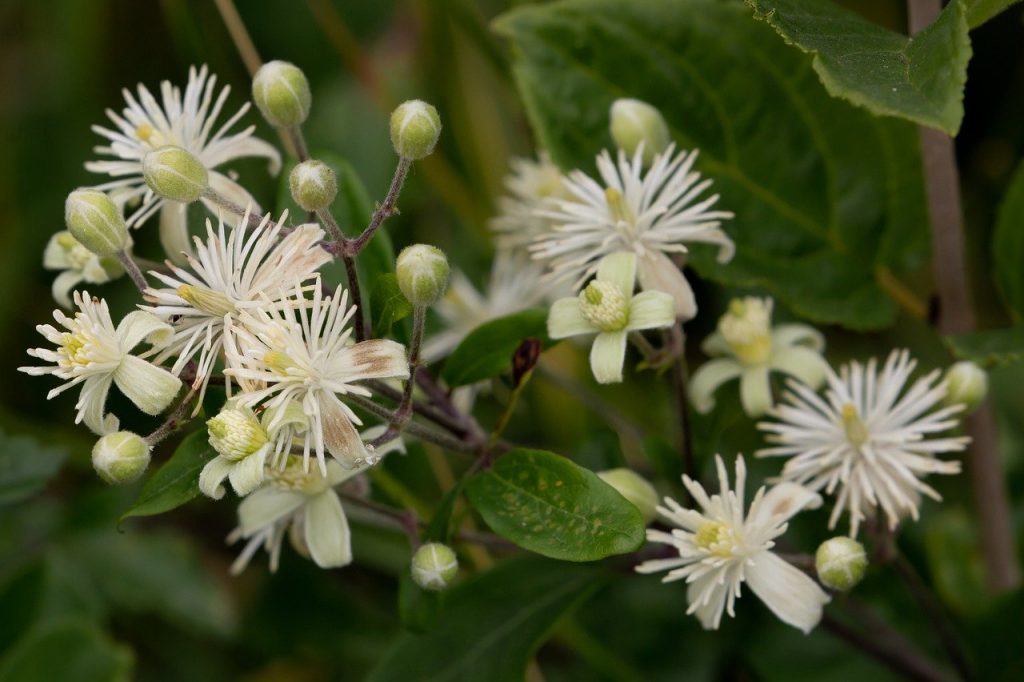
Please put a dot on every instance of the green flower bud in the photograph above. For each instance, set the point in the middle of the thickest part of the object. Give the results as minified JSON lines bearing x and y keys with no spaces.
{"x":634,"y":488}
{"x":840,"y":563}
{"x":422,"y":272}
{"x":434,"y":565}
{"x":313,"y":184}
{"x":415,"y":127}
{"x":235,"y":434}
{"x":175,"y":174}
{"x":96,"y":222}
{"x":967,"y":384}
{"x":120,"y":457}
{"x":281,"y":93}
{"x":633,"y":122}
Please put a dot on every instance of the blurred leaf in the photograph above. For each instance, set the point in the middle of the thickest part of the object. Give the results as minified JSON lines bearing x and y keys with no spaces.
{"x":549,"y":505}
{"x":951,"y":543}
{"x":488,"y":350}
{"x":390,"y":302}
{"x":980,"y":11}
{"x":1008,"y":244}
{"x":825,"y":194}
{"x":418,"y":608}
{"x":989,"y":347}
{"x":887,"y":73}
{"x":68,"y":651}
{"x":491,"y":625}
{"x":996,"y":638}
{"x":177,"y":481}
{"x":25,"y":467}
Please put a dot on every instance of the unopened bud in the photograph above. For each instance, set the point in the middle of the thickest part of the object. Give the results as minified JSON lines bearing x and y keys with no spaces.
{"x":415,"y":127}
{"x":175,"y":174}
{"x":434,"y":566}
{"x":634,"y":488}
{"x":120,"y":457}
{"x":422,"y":272}
{"x":633,"y":122}
{"x":236,"y":433}
{"x":281,"y":93}
{"x":840,"y":563}
{"x":313,"y":184}
{"x":967,"y":384}
{"x":96,"y":222}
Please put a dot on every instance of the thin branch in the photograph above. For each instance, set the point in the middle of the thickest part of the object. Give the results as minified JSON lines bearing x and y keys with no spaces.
{"x":248,"y":213}
{"x":174,"y":421}
{"x":414,"y":429}
{"x":138,"y":279}
{"x":239,"y":35}
{"x":904,"y":660}
{"x":401,"y":415}
{"x":680,"y":379}
{"x":386,"y":209}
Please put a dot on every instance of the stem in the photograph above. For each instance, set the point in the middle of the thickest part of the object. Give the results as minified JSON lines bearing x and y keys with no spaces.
{"x":414,"y":429}
{"x":679,"y":383}
{"x":327,"y":218}
{"x":904,"y":660}
{"x":298,"y":141}
{"x":956,"y":316}
{"x":133,"y":270}
{"x":174,"y":421}
{"x":239,"y":35}
{"x":386,"y":209}
{"x":254,"y":218}
{"x":401,"y":415}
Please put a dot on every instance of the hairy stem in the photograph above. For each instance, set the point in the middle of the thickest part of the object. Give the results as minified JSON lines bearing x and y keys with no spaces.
{"x":254,"y":218}
{"x":174,"y":421}
{"x":138,"y":279}
{"x":885,"y":649}
{"x":401,"y":415}
{"x":414,"y":429}
{"x":386,"y":209}
{"x":680,"y":378}
{"x":239,"y":35}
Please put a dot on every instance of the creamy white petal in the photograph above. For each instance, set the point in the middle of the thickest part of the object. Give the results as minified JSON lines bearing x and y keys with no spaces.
{"x":801,"y":362}
{"x":340,"y":435}
{"x":266,"y":506}
{"x":619,"y":269}
{"x":798,"y":334}
{"x":607,"y":356}
{"x":651,"y":310}
{"x":327,"y":535}
{"x":138,"y":326}
{"x":380,"y":358}
{"x":657,"y":272}
{"x":708,"y":378}
{"x":791,"y":595}
{"x":174,"y":237}
{"x":755,"y":390}
{"x":247,"y":474}
{"x":565,"y":319}
{"x":151,"y":388}
{"x":211,"y":478}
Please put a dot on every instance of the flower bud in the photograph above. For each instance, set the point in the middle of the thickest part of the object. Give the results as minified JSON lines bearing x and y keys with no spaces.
{"x":96,"y":222}
{"x":634,"y":488}
{"x":120,"y":457}
{"x":415,"y":127}
{"x":235,"y":434}
{"x":633,"y":122}
{"x":281,"y":93}
{"x":422,"y":272}
{"x":175,"y":174}
{"x":434,"y":565}
{"x":966,"y":384}
{"x":840,"y":563}
{"x":313,"y":185}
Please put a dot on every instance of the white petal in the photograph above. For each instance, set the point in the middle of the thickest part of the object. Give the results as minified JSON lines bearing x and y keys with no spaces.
{"x":55,"y":257}
{"x":787,"y":591}
{"x":801,"y":362}
{"x":265,"y":507}
{"x":247,"y":475}
{"x":755,"y":391}
{"x":565,"y":319}
{"x":651,"y":310}
{"x":798,"y":334}
{"x":715,"y":344}
{"x":139,"y":326}
{"x":708,"y":378}
{"x":213,"y":475}
{"x":607,"y":356}
{"x":151,"y":388}
{"x":62,"y":286}
{"x":340,"y":436}
{"x":92,"y":401}
{"x":174,"y":236}
{"x":247,"y":147}
{"x":619,"y":268}
{"x":658,"y":273}
{"x":327,"y":535}
{"x":783,"y":501}
{"x":381,"y":359}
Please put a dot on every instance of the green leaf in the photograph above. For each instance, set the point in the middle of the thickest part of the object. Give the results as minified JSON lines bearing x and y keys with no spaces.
{"x":177,"y":481}
{"x":550,"y":505}
{"x":487,"y":350}
{"x":1008,"y":244}
{"x":389,"y":302}
{"x":990,"y":347}
{"x":887,"y":73}
{"x":25,"y":467}
{"x":955,"y":562}
{"x":980,"y":11}
{"x":491,"y":625}
{"x":67,"y":650}
{"x":417,"y":608}
{"x":828,"y":198}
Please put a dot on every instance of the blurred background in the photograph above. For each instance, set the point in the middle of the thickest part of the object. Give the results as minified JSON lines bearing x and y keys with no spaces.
{"x":159,"y":588}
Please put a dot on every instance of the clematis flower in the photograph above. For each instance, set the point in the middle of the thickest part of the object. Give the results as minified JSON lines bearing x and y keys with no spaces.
{"x":608,"y":308}
{"x":528,"y":187}
{"x":721,"y":547}
{"x":77,"y":264}
{"x":751,"y":349}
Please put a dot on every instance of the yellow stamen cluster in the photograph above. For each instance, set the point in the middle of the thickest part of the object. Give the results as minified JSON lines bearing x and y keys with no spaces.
{"x":717,"y":537}
{"x":746,"y":327}
{"x":856,"y":432}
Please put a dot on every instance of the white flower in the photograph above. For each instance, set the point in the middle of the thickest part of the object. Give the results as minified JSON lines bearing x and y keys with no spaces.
{"x":95,"y":354}
{"x":608,"y":308}
{"x":720,"y":548}
{"x":529,"y":185}
{"x":303,"y":502}
{"x":242,"y":446}
{"x":79,"y":264}
{"x":280,"y":356}
{"x":229,"y":273}
{"x":754,"y":349}
{"x":184,"y":121}
{"x":869,"y":438}
{"x":651,"y":215}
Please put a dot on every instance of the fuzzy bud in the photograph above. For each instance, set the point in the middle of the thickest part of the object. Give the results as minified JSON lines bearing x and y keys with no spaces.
{"x":96,"y":222}
{"x":434,"y":565}
{"x":634,"y":488}
{"x":120,"y":457}
{"x":415,"y":127}
{"x":281,"y":93}
{"x":314,"y":185}
{"x":633,"y":122}
{"x":235,"y":434}
{"x":422,"y":272}
{"x":175,"y":174}
{"x":967,"y":384}
{"x":840,"y":563}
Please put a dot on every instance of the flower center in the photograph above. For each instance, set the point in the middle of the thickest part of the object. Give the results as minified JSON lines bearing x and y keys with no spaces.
{"x":746,"y":327}
{"x":236,"y":434}
{"x":294,"y":477}
{"x":618,"y":207}
{"x":604,"y":306}
{"x":74,"y":347}
{"x":207,"y":300}
{"x":856,"y":433}
{"x":718,"y":538}
{"x":279,"y":362}
{"x":148,"y":135}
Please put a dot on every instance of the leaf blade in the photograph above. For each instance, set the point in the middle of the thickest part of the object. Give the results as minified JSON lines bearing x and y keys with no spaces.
{"x":177,"y":481}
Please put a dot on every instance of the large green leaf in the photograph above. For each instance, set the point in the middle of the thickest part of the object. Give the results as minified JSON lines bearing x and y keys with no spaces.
{"x":487,"y":350}
{"x":70,"y":651}
{"x":550,"y":505}
{"x":827,"y":196}
{"x":980,"y":11}
{"x":390,"y":303}
{"x":491,"y":625}
{"x":1008,"y":244}
{"x":989,"y":347}
{"x":921,"y":80}
{"x":177,"y":481}
{"x":25,"y":467}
